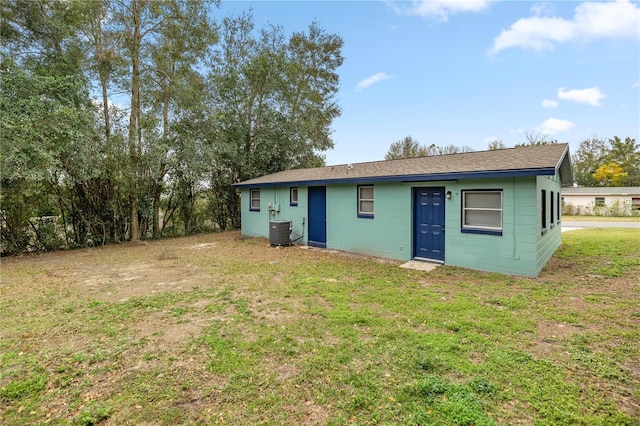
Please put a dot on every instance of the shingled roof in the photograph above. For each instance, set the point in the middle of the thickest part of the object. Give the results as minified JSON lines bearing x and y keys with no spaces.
{"x":538,"y":160}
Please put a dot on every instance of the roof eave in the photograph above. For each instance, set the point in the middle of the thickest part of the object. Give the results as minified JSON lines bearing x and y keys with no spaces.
{"x":484,"y":174}
{"x":564,"y":168}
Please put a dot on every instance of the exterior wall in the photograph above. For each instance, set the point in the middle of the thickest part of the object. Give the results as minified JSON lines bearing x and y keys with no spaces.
{"x":520,"y":250}
{"x":256,"y":223}
{"x":549,"y":241}
{"x":590,"y":200}
{"x":513,"y":252}
{"x":618,"y":201}
{"x":614,"y":205}
{"x":387,"y":234}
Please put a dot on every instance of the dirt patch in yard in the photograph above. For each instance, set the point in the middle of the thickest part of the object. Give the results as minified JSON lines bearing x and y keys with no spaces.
{"x":157,"y":313}
{"x":175,"y":265}
{"x":549,"y":336}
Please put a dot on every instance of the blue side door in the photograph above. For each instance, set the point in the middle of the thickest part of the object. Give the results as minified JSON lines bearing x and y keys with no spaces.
{"x":428,"y":224}
{"x":317,"y":216}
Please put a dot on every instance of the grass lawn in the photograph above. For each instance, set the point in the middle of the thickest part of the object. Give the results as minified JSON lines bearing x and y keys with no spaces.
{"x":629,"y":219}
{"x":218,"y":329}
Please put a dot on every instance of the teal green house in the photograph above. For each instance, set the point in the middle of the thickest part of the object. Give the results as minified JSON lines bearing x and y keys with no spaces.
{"x":497,"y":211}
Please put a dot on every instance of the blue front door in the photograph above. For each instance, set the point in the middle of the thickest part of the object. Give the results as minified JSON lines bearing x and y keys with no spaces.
{"x":428,"y":224}
{"x":317,"y":216}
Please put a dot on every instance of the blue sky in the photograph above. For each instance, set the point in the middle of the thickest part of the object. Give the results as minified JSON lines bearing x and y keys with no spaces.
{"x":468,"y":72}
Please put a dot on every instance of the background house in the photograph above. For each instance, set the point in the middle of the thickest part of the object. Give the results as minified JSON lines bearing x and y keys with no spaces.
{"x":606,"y":201}
{"x":490,"y":210}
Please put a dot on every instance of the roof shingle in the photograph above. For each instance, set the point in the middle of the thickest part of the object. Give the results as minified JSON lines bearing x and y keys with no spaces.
{"x":531,"y":160}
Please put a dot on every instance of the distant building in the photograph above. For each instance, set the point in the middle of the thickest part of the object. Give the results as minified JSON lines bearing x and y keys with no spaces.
{"x":605,"y":201}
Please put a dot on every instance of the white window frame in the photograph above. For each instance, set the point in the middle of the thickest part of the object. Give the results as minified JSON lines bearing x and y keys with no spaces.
{"x":252,"y":198}
{"x":361,"y":213}
{"x":292,"y":201}
{"x":465,"y":209}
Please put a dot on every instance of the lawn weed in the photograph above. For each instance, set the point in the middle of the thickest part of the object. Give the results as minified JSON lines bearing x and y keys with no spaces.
{"x":231,"y":331}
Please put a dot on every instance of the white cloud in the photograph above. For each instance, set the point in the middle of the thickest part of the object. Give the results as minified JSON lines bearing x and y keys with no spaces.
{"x":370,"y":81}
{"x":440,"y":9}
{"x":592,"y":20}
{"x":544,"y":8}
{"x":591,"y":96}
{"x":636,"y":85}
{"x":548,"y":103}
{"x":551,"y":126}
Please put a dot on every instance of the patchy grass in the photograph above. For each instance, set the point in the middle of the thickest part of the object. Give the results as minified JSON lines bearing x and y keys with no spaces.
{"x":587,"y":218}
{"x":218,"y":329}
{"x":613,"y":253}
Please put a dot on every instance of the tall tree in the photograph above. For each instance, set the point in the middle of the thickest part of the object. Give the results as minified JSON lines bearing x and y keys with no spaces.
{"x":496,"y":144}
{"x":311,"y":85}
{"x":405,"y":148}
{"x":408,"y":148}
{"x":38,"y":129}
{"x":162,"y":39}
{"x":134,"y":33}
{"x":109,"y":173}
{"x":535,"y":138}
{"x":586,"y":160}
{"x":47,"y":117}
{"x":626,"y":153}
{"x":102,"y":52}
{"x":105,"y":65}
{"x":596,"y":152}
{"x":453,"y":149}
{"x":273,"y":101}
{"x":183,"y":43}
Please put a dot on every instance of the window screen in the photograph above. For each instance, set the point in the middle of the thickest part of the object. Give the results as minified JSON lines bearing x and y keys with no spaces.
{"x":254,"y":199}
{"x":365,"y":201}
{"x":482,"y":210}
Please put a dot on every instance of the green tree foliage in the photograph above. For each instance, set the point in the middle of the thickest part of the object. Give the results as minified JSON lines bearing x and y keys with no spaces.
{"x":585,"y":161}
{"x":46,"y":122}
{"x":406,"y":148}
{"x":409,"y":148}
{"x":182,"y":42}
{"x":195,"y":118}
{"x":272,"y":101}
{"x":595,"y":152}
{"x":627,"y":155}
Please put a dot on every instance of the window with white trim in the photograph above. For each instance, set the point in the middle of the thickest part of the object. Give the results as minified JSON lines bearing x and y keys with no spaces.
{"x":365,"y":201}
{"x":254,"y":200}
{"x":482,"y":210}
{"x":293,"y":196}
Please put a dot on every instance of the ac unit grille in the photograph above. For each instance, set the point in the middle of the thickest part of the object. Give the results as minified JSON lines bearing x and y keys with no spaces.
{"x":280,"y":232}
